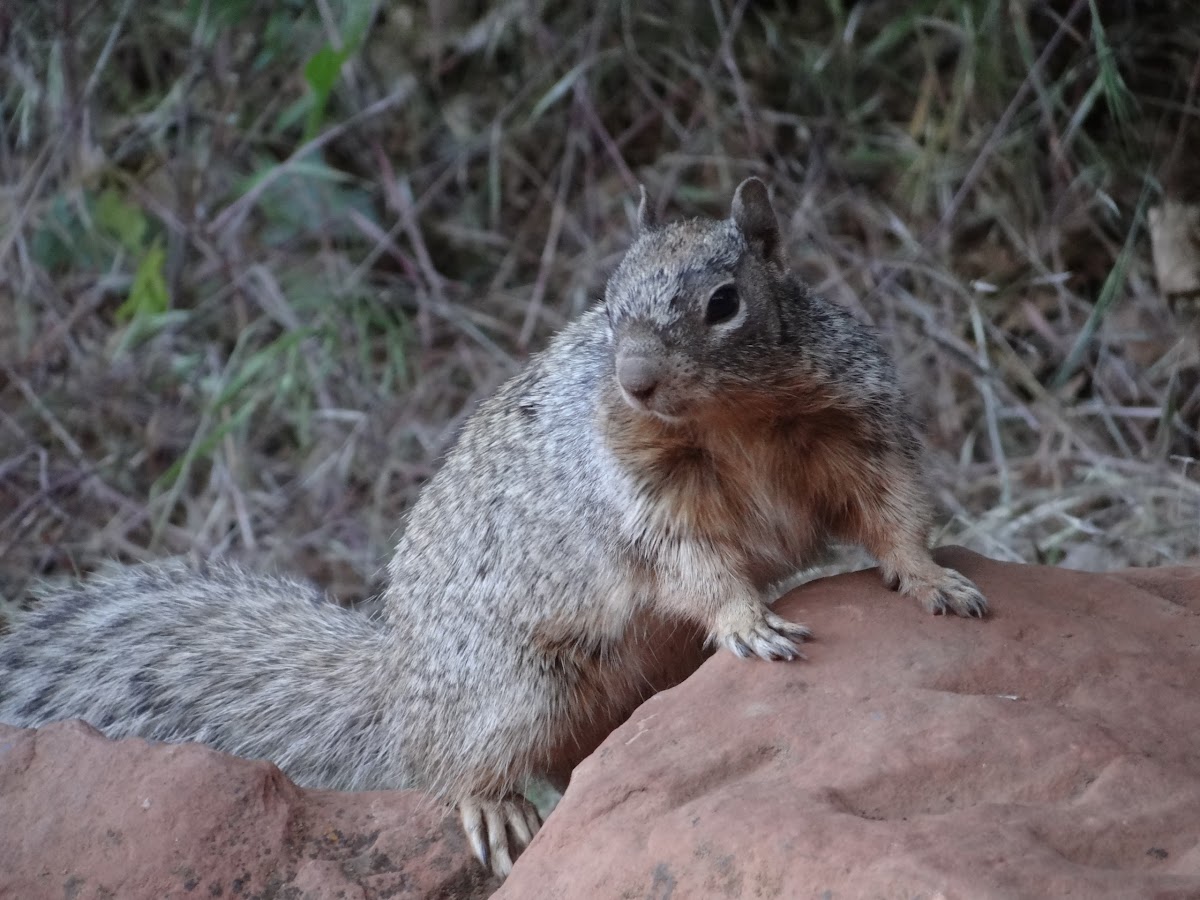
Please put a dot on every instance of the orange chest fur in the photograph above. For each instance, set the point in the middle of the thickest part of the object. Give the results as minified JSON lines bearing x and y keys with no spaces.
{"x":765,"y":493}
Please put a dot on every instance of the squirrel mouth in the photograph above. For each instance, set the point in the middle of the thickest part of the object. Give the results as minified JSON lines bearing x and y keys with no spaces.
{"x":657,"y":406}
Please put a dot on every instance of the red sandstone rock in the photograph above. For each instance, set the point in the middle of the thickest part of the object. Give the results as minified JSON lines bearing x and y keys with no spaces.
{"x":84,"y":817}
{"x":1052,"y":750}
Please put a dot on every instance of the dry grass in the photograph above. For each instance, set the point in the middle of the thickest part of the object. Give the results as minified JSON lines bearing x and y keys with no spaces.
{"x":256,"y":267}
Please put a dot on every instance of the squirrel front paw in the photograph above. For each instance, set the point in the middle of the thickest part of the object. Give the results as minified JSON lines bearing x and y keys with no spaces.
{"x":488,"y":823}
{"x":950,"y":592}
{"x":756,"y":631}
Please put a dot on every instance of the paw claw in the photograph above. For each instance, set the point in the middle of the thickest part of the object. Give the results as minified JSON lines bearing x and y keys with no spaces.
{"x":770,"y":638}
{"x":489,"y":823}
{"x":953,"y":593}
{"x":472,"y":822}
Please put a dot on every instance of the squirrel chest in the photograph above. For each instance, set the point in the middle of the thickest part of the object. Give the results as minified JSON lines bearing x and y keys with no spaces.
{"x":766,"y":492}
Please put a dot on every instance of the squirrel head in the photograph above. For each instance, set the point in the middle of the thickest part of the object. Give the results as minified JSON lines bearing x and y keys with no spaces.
{"x":696,"y":309}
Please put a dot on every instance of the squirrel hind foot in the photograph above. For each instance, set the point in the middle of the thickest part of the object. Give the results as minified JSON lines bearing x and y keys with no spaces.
{"x":497,"y":828}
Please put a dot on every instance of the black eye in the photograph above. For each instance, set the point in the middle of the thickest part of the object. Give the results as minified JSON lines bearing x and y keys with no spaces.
{"x":722,"y":305}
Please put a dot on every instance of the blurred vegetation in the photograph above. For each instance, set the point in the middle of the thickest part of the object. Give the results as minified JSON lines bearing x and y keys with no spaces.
{"x":259,"y":261}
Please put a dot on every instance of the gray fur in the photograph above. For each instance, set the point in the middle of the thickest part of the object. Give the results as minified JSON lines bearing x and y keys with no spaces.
{"x":564,"y":563}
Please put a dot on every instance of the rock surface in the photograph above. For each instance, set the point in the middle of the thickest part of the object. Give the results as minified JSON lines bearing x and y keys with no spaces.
{"x":1052,"y":750}
{"x":84,"y":817}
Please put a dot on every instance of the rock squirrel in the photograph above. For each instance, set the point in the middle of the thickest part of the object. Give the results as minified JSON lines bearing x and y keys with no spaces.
{"x":689,"y":441}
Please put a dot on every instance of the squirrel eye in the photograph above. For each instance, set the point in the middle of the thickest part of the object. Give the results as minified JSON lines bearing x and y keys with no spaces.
{"x":722,"y":305}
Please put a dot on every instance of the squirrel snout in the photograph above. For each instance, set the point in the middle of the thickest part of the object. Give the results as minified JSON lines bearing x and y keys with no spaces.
{"x":639,"y":377}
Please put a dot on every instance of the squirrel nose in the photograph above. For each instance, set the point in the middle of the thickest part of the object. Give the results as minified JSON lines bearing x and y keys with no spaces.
{"x":638,"y":376}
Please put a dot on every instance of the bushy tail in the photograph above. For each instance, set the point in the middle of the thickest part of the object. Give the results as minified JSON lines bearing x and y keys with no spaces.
{"x":264,"y":667}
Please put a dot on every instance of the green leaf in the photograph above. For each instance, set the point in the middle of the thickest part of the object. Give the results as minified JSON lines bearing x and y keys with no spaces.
{"x":59,"y":242}
{"x":1117,"y":96}
{"x":558,"y":90}
{"x":321,"y":72}
{"x":148,"y":293}
{"x":120,"y":218}
{"x":223,"y":12}
{"x":202,"y":449}
{"x":1114,"y":283}
{"x":357,"y":23}
{"x":143,"y":328}
{"x":260,"y":363}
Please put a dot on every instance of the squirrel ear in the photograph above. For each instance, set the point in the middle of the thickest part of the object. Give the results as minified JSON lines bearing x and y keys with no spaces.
{"x":645,"y":219}
{"x":755,"y":218}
